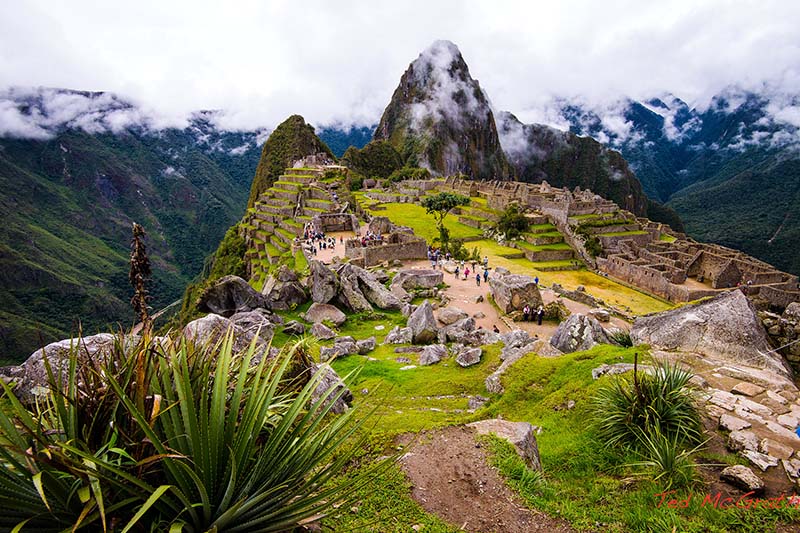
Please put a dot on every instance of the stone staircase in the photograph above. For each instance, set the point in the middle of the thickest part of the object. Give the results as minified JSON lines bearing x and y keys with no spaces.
{"x":279,"y":216}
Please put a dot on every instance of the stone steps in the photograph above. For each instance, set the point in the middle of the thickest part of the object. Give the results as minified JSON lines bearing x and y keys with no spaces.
{"x":286,"y":194}
{"x":287,"y":185}
{"x":292,"y":226}
{"x":279,"y":243}
{"x":321,"y":204}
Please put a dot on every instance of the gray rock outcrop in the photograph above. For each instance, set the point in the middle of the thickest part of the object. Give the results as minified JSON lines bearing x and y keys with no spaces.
{"x":578,"y":333}
{"x":399,"y":335}
{"x":324,"y":312}
{"x":365,"y":346}
{"x":432,"y":354}
{"x":469,"y":356}
{"x":743,"y":478}
{"x":411,"y":279}
{"x":229,"y":295}
{"x":293,"y":327}
{"x":332,"y":387}
{"x":511,"y":292}
{"x":323,"y":283}
{"x":284,"y":289}
{"x":725,"y":327}
{"x":521,"y":434}
{"x":449,"y":315}
{"x":422,"y":324}
{"x":322,"y":332}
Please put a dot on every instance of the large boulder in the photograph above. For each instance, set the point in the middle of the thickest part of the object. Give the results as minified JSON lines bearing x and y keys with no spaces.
{"x":725,"y":327}
{"x":431,"y":354}
{"x":743,"y":478}
{"x":322,"y":332}
{"x":331,"y":387}
{"x":324,"y":312}
{"x":258,"y":322}
{"x":450,"y":315}
{"x":323,"y":283}
{"x":211,"y":328}
{"x":578,"y":333}
{"x":422,"y":324}
{"x":284,"y":289}
{"x":31,"y":377}
{"x":521,"y":434}
{"x":376,"y":292}
{"x":511,"y":292}
{"x":399,"y":335}
{"x":413,"y":278}
{"x":350,"y":294}
{"x":229,"y":295}
{"x":457,"y":331}
{"x":469,"y":356}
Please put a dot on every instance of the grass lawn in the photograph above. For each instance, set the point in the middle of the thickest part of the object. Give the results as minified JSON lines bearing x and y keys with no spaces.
{"x":415,"y":217}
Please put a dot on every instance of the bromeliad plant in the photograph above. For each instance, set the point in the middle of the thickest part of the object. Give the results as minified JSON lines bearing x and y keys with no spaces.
{"x":179,"y":438}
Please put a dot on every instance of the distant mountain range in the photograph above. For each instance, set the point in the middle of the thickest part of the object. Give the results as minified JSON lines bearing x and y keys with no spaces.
{"x":77,"y":168}
{"x":731,"y":169}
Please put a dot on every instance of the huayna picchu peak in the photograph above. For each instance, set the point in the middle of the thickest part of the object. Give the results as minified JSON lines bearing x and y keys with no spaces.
{"x":561,"y":299}
{"x":439,"y":118}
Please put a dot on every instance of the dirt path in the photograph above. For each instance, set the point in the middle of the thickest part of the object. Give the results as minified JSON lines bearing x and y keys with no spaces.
{"x":462,"y":294}
{"x":451,"y":477}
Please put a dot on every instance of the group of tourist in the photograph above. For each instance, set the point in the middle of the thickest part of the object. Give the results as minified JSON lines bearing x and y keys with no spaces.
{"x":463,"y":269}
{"x":371,"y":238}
{"x":537,"y":315}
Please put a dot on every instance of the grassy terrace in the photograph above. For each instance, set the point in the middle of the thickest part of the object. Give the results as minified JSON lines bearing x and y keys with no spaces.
{"x":667,"y":238}
{"x":542,"y":247}
{"x":622,"y":233}
{"x":415,"y":217}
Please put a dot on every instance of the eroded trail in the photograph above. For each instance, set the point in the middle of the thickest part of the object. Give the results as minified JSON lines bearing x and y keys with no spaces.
{"x":451,"y":478}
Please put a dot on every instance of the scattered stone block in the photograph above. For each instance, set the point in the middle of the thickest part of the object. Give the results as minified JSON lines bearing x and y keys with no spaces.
{"x":742,"y":440}
{"x":742,"y":477}
{"x":476,"y":402}
{"x":760,"y":460}
{"x":293,"y":327}
{"x":431,"y":354}
{"x":469,"y":357}
{"x":399,"y":335}
{"x":753,"y":407}
{"x":322,"y":332}
{"x":520,"y":434}
{"x":731,"y":423}
{"x":450,"y":315}
{"x":747,"y":389}
{"x":788,"y":421}
{"x":408,"y":367}
{"x":723,"y":399}
{"x":324,"y":312}
{"x":365,"y":346}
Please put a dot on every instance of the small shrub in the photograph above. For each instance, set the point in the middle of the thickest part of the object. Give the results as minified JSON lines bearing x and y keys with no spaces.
{"x":621,"y":337}
{"x":665,"y":460}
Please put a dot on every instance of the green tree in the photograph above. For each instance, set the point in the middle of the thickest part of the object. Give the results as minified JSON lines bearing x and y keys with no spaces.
{"x":439,"y":205}
{"x":513,"y":222}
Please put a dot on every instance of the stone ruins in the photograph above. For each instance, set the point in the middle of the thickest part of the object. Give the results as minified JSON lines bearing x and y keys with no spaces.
{"x":645,"y":254}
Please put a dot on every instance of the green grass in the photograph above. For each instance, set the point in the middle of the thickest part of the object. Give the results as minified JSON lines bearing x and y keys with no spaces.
{"x":664,"y":237}
{"x":542,"y":247}
{"x":622,"y":233}
{"x":415,"y":217}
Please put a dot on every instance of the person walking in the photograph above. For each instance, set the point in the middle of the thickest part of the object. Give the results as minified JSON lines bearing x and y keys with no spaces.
{"x":456,"y":271}
{"x":536,"y":281}
{"x":478,"y":279}
{"x":526,"y":311}
{"x":539,"y":315}
{"x":466,"y":273}
{"x":486,"y":275}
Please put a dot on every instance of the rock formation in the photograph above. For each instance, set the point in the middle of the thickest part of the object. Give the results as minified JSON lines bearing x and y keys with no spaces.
{"x":726,"y":327}
{"x":229,"y":295}
{"x":511,"y":292}
{"x":578,"y":333}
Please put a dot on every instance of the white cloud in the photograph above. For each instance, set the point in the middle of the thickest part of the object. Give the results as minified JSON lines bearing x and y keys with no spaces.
{"x":338,"y":62}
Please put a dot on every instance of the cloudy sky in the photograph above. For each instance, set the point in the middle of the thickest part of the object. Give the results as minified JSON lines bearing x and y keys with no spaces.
{"x":338,"y":62}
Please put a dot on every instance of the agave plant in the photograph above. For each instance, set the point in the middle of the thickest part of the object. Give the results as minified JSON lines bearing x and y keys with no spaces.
{"x":658,"y":401}
{"x":194,"y":438}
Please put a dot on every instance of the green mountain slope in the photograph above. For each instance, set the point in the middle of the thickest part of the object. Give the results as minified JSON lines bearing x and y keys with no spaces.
{"x":67,"y":207}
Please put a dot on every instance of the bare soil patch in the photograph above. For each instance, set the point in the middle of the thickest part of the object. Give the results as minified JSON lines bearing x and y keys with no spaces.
{"x":451,"y":477}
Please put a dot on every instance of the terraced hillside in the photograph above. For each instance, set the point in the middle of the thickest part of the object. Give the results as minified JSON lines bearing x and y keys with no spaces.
{"x":280,"y":215}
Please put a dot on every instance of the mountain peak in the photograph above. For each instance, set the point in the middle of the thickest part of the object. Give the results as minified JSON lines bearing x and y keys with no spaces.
{"x":440,"y":118}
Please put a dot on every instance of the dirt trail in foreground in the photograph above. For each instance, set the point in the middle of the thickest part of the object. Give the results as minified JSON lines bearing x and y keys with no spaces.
{"x":451,"y":478}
